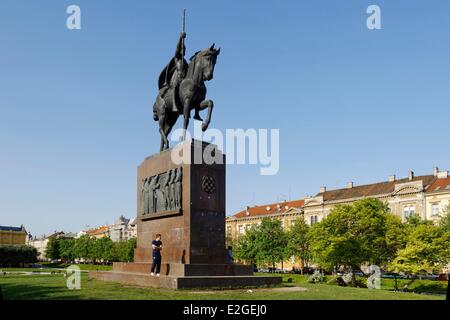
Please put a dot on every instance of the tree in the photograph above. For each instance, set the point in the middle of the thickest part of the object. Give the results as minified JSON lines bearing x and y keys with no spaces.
{"x":67,"y":249}
{"x":52,"y":250}
{"x":83,"y":248}
{"x":427,"y":250}
{"x":298,"y":242}
{"x":245,"y":249}
{"x":102,"y":250}
{"x":129,"y":252}
{"x":17,"y":255}
{"x":395,"y":239}
{"x":270,"y":242}
{"x":351,"y":235}
{"x":445,"y":218}
{"x":123,"y":251}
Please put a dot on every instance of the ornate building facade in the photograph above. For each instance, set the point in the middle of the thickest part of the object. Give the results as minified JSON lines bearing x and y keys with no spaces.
{"x":13,"y":235}
{"x":123,"y":230}
{"x":426,"y":196}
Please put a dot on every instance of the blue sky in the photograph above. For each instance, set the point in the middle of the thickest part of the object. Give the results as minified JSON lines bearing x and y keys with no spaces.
{"x":351,"y":104}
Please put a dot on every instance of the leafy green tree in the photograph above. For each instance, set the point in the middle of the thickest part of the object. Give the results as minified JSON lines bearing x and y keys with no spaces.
{"x":83,"y":248}
{"x":445,"y":219}
{"x":52,"y":249}
{"x":17,"y":255}
{"x":395,"y":239}
{"x":351,"y":235}
{"x":129,"y":253}
{"x":270,"y":242}
{"x":245,"y":248}
{"x":102,"y":250}
{"x":67,"y":249}
{"x":298,"y":243}
{"x":123,"y":251}
{"x":427,"y":250}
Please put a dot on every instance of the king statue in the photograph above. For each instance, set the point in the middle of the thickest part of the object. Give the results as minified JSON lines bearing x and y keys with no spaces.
{"x":182,"y":89}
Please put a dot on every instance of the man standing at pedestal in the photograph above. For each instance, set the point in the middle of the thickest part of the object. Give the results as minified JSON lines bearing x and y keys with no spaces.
{"x":157,"y":247}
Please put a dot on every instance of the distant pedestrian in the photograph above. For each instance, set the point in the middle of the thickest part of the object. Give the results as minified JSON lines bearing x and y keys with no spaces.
{"x":156,"y":248}
{"x":230,"y":254}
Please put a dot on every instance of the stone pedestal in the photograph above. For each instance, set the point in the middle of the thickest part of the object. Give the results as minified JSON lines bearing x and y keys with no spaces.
{"x":191,"y":221}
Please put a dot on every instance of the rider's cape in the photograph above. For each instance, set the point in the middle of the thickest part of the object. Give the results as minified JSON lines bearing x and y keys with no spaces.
{"x":167,"y":73}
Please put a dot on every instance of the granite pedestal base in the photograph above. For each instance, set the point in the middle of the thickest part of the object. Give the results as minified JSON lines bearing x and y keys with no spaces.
{"x":189,"y":213}
{"x":191,"y":282}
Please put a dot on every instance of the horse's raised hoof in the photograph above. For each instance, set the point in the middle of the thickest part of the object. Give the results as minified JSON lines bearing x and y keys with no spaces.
{"x":204,"y":127}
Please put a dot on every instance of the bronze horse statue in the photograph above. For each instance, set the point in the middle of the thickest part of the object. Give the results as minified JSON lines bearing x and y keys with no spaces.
{"x":189,"y":94}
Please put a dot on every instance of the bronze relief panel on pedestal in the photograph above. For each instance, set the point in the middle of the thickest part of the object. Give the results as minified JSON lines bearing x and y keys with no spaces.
{"x":161,"y":194}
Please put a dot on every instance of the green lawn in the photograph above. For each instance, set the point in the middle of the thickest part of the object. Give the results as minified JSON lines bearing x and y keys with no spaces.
{"x":40,"y":287}
{"x":418,"y":286}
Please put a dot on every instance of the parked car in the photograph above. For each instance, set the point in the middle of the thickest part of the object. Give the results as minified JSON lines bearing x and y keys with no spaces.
{"x":429,"y":276}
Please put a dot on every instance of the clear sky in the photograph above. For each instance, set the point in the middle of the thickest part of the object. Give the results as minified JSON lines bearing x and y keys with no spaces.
{"x":351,"y":104}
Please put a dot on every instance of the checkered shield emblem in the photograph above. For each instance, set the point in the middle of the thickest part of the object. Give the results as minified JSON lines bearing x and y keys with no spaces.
{"x":208,"y":184}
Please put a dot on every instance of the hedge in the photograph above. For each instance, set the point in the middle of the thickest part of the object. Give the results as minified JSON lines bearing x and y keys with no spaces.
{"x":17,"y":255}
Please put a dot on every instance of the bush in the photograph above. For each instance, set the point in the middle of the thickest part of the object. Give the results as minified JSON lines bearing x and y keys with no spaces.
{"x":337,"y":281}
{"x":360,"y":283}
{"x":316,"y":277}
{"x":17,"y":255}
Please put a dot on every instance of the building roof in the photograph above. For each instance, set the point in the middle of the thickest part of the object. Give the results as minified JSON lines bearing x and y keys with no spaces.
{"x":122,"y":220}
{"x":370,"y":190}
{"x":69,"y":235}
{"x":269,"y":209}
{"x":440,"y":185}
{"x":98,"y":230}
{"x":431,"y":183}
{"x":16,"y":229}
{"x":132,"y":222}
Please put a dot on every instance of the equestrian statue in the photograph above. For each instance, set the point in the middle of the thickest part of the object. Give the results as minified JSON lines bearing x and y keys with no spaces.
{"x":182,"y":89}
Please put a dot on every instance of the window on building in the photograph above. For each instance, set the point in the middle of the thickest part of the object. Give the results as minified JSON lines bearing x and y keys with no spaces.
{"x":229,"y":231}
{"x":313,"y":220}
{"x":409,"y":211}
{"x":241,"y":229}
{"x":435,"y":209}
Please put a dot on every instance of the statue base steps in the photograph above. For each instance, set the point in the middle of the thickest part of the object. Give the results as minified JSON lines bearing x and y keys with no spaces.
{"x":187,"y":270}
{"x":191,"y":282}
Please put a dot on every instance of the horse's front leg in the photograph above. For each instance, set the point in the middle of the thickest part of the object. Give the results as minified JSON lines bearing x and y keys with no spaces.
{"x":163,"y":132}
{"x":187,"y":115}
{"x":203,"y":105}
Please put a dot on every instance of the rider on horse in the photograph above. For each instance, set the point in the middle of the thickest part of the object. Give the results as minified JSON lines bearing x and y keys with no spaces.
{"x":171,"y":77}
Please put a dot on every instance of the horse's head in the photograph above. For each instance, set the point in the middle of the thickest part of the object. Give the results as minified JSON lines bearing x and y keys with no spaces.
{"x":205,"y":60}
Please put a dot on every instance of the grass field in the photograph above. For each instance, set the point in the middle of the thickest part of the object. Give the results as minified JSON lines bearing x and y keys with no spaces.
{"x":48,"y":287}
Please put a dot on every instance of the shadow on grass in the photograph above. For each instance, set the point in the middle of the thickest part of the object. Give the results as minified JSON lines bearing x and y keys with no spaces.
{"x":37,"y":292}
{"x":431,"y":289}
